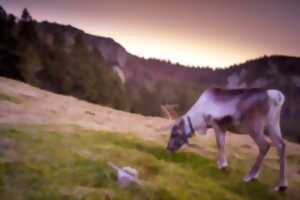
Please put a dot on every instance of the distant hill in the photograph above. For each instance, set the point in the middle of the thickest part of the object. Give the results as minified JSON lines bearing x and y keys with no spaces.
{"x":67,"y":60}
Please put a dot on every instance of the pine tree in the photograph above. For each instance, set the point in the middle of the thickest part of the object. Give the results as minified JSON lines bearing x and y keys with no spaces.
{"x":28,"y":32}
{"x":26,"y":17}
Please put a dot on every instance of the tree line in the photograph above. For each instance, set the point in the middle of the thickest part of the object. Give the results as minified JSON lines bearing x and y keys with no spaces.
{"x":29,"y":55}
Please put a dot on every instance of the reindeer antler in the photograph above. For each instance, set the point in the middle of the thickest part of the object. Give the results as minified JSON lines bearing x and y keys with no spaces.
{"x":169,"y":111}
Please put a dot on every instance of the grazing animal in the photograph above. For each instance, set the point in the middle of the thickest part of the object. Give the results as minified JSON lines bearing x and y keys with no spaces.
{"x":252,"y":111}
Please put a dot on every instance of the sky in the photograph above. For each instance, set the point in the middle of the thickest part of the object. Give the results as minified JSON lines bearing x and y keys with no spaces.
{"x":214,"y":33}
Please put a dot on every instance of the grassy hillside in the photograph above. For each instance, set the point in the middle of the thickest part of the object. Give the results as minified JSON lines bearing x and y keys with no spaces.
{"x":45,"y":162}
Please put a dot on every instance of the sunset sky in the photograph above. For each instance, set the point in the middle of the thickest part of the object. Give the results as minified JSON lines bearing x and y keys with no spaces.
{"x":194,"y":32}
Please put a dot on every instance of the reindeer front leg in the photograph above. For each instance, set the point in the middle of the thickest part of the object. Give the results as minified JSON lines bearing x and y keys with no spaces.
{"x":220,"y":140}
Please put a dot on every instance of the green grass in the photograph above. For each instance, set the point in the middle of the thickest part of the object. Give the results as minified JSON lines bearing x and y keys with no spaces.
{"x":6,"y":97}
{"x":40,"y":164}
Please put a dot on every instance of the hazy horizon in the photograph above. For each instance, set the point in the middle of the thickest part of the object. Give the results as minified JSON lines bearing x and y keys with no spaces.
{"x":198,"y":33}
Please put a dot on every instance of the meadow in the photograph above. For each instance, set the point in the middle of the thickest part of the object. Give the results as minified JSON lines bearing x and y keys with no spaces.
{"x":44,"y":162}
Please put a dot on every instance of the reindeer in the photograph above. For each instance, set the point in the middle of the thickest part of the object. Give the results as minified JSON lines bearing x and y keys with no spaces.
{"x":252,"y":111}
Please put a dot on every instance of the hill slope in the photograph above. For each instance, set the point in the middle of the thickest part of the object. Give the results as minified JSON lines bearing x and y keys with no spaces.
{"x":21,"y":103}
{"x":39,"y":163}
{"x":46,"y":136}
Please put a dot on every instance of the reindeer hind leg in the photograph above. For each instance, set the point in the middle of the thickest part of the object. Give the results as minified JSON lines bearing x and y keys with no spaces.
{"x":263,"y":147}
{"x":279,"y":144}
{"x":274,"y":130}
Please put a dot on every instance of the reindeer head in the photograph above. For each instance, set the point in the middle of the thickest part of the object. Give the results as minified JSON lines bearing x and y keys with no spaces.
{"x":178,"y":137}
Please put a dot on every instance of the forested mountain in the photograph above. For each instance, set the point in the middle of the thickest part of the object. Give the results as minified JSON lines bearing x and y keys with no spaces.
{"x":67,"y":60}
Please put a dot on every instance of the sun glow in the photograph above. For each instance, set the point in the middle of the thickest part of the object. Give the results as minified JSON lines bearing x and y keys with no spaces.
{"x":192,"y":52}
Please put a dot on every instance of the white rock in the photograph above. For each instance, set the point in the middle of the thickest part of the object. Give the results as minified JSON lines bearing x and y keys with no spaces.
{"x":126,"y":175}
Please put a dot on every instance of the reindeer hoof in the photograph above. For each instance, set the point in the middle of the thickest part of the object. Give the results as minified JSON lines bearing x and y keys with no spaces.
{"x":249,"y":179}
{"x":222,"y":166}
{"x":280,"y":188}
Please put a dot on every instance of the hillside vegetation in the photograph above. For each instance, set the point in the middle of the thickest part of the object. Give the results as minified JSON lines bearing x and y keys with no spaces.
{"x":57,"y":147}
{"x":38,"y":162}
